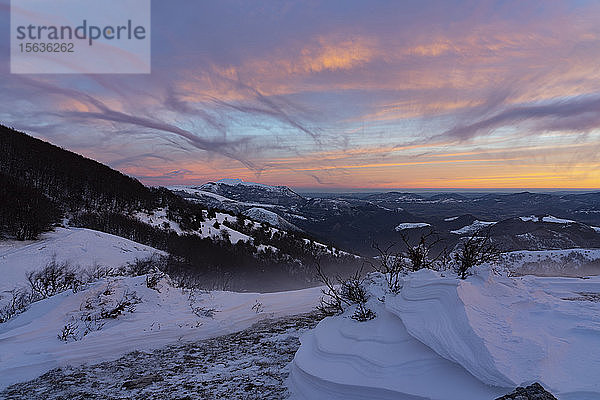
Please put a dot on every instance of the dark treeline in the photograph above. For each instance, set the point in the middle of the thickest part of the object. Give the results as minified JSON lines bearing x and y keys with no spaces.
{"x":24,"y":211}
{"x":40,"y":182}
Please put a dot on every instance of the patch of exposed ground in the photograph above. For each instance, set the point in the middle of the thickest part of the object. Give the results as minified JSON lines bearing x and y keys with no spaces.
{"x":251,"y":364}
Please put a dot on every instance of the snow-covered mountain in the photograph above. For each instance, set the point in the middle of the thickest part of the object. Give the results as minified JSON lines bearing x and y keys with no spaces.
{"x":545,"y":221}
{"x":249,"y":192}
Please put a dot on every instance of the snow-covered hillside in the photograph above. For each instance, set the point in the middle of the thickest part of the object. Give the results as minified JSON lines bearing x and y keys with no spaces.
{"x":441,"y":338}
{"x":80,"y":247}
{"x":214,"y":227}
{"x":547,"y":218}
{"x":474,"y":227}
{"x":411,"y":225}
{"x":156,"y":317}
{"x":214,"y":186}
{"x":210,"y":228}
{"x":565,"y":262}
{"x":262,"y":215}
{"x":198,"y":194}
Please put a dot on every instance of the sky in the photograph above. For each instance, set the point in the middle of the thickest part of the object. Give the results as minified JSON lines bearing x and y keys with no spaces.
{"x":338,"y":94}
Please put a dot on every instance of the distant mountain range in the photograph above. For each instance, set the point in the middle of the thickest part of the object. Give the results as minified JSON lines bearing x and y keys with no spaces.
{"x":356,"y":221}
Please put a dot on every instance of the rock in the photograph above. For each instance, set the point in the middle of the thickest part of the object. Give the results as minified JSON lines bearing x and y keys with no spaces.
{"x":142,"y":382}
{"x":532,"y":392}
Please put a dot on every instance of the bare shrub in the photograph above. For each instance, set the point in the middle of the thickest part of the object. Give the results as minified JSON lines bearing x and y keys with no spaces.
{"x":331,"y":301}
{"x":127,"y":303}
{"x":144,"y":266}
{"x":20,"y":299}
{"x":54,"y":278}
{"x":419,"y":255}
{"x":345,"y":293}
{"x":391,"y":265}
{"x":92,"y":325}
{"x":152,"y":280}
{"x":68,"y":332}
{"x":105,"y":305}
{"x":187,"y":280}
{"x":98,"y":272}
{"x":352,"y":290}
{"x":204,"y":312}
{"x":258,"y":307}
{"x":362,"y":313}
{"x":477,"y":249}
{"x":200,"y":311}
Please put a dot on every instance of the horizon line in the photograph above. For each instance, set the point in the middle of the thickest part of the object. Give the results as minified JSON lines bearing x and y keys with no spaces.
{"x":337,"y":189}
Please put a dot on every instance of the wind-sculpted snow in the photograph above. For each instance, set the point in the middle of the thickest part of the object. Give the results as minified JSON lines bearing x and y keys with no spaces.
{"x":433,"y":312}
{"x":344,"y":359}
{"x":445,"y":338}
{"x":509,"y":330}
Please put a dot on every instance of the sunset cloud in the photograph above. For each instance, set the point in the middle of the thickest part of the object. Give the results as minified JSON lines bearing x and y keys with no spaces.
{"x":346,"y":94}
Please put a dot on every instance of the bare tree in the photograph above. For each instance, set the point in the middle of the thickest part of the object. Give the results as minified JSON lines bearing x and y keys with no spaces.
{"x":20,"y":299}
{"x":393,"y":263}
{"x":390,"y":264}
{"x":419,"y":254}
{"x":477,"y":249}
{"x":346,"y":292}
{"x":331,"y":302}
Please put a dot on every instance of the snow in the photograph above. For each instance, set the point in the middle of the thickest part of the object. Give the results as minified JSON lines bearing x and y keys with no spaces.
{"x":555,"y":220}
{"x":161,"y":318}
{"x":378,"y":359}
{"x":199,"y":192}
{"x":563,"y":262}
{"x":260,"y":214}
{"x":532,"y":218}
{"x":548,"y":218}
{"x":237,"y":181}
{"x":250,"y":364}
{"x":330,"y":249}
{"x":474,"y":227}
{"x":450,"y":219}
{"x":78,"y":246}
{"x":194,"y":191}
{"x":158,"y":218}
{"x":596,"y":228}
{"x":411,"y":225}
{"x":442,"y":338}
{"x":508,"y":331}
{"x":304,"y":218}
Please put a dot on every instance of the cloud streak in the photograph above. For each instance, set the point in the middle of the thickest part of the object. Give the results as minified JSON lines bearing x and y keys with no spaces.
{"x":580,"y":114}
{"x":358,"y":93}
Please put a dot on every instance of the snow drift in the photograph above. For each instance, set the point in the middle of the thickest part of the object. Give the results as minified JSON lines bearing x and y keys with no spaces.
{"x":443,"y":338}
